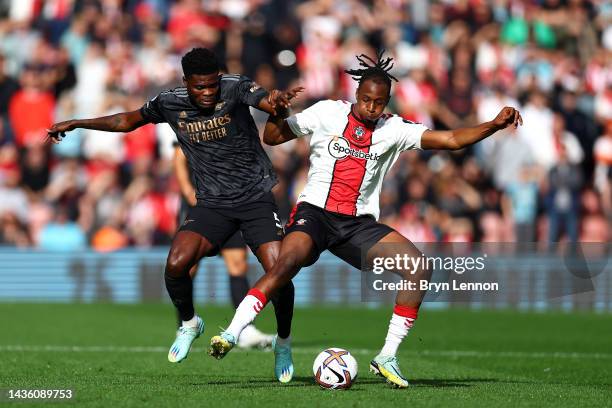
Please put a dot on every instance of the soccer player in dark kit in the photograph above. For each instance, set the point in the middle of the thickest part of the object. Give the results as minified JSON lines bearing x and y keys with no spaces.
{"x":233,"y":251}
{"x":233,"y":177}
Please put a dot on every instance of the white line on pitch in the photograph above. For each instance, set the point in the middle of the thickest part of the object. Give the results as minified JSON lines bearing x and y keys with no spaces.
{"x":308,"y":350}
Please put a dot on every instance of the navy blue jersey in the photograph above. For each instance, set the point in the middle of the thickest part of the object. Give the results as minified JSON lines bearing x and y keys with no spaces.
{"x":228,"y":164}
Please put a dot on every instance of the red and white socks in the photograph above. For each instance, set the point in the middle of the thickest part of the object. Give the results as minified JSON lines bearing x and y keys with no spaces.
{"x":247,"y":311}
{"x":401,"y":322}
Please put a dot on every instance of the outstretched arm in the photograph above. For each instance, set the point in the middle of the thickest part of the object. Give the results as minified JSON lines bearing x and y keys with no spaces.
{"x":121,"y":122}
{"x":459,"y":138}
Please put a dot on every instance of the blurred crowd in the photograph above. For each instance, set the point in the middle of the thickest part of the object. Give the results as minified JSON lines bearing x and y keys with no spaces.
{"x":458,"y":63}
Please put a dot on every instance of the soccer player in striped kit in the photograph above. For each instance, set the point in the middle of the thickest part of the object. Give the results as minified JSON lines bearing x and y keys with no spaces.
{"x":352,"y":148}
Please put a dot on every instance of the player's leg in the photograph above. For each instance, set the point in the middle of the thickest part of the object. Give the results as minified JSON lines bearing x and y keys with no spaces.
{"x":298,"y":249}
{"x":180,"y":218}
{"x":262,"y":230}
{"x":234,"y":254}
{"x":379,"y":240}
{"x":282,"y":300}
{"x":187,"y":249}
{"x":192,"y":273}
{"x":305,"y":240}
{"x":407,"y":304}
{"x":392,"y":244}
{"x":197,"y":237}
{"x":236,"y":263}
{"x":282,"y":296}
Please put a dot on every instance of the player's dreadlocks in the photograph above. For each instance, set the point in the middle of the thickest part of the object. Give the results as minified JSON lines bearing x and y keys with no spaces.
{"x":199,"y":61}
{"x":376,"y":70}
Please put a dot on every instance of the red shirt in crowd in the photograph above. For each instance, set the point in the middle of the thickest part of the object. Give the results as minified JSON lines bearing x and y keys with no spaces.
{"x":31,"y":114}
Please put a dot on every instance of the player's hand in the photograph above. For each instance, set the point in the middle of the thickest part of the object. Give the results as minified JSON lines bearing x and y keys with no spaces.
{"x":508,"y":116}
{"x":58,"y":131}
{"x":276,"y":97}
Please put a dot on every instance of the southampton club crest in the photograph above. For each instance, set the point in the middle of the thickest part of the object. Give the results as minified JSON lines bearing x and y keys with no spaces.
{"x":359,"y":133}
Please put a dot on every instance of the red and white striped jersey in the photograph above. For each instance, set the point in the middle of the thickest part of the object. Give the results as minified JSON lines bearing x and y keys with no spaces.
{"x":348,"y":159}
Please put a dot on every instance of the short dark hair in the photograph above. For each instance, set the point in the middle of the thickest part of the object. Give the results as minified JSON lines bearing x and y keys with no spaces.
{"x":199,"y":61}
{"x":375,"y":70}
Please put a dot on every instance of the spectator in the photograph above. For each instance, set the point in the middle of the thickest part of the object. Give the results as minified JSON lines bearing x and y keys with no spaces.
{"x":14,"y":199}
{"x":13,"y":232}
{"x":537,"y":129}
{"x":109,"y":238}
{"x":594,"y":226}
{"x":31,"y":108}
{"x":493,"y":228}
{"x":522,"y":194}
{"x":488,"y":105}
{"x":581,"y":125}
{"x":511,"y":156}
{"x":62,"y":234}
{"x":35,"y":168}
{"x":602,"y":152}
{"x":8,"y":152}
{"x":563,"y":199}
{"x":8,"y":87}
{"x":457,"y":63}
{"x":566,"y":144}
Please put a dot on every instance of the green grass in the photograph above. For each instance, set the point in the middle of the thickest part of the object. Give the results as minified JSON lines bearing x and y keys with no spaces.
{"x":453,"y":358}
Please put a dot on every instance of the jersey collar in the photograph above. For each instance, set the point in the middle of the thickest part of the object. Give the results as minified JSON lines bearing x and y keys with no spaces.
{"x":370,"y":126}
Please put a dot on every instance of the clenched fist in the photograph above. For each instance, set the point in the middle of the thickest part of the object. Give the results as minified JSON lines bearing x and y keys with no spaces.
{"x":506,"y":117}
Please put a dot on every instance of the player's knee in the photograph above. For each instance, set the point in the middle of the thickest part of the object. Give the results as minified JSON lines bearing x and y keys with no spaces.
{"x":177,"y":264}
{"x":286,"y":265}
{"x":415,"y":274}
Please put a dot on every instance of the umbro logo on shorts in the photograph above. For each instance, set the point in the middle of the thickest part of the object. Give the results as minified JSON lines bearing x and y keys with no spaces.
{"x":187,"y":222}
{"x":301,"y":221}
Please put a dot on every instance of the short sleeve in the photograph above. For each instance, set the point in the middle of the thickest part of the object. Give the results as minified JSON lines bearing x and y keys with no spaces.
{"x":152,"y":111}
{"x":409,"y":134}
{"x":249,"y":92}
{"x":307,"y":121}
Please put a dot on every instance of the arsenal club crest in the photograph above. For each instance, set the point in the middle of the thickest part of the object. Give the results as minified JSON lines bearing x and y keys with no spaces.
{"x":359,"y":133}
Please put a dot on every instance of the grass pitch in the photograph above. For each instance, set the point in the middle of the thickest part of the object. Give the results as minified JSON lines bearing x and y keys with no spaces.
{"x":115,"y":356}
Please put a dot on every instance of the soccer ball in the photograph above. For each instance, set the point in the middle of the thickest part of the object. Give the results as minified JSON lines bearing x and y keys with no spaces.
{"x":335,"y":369}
